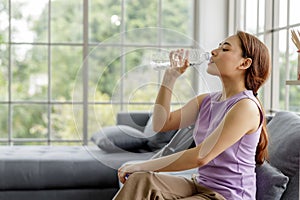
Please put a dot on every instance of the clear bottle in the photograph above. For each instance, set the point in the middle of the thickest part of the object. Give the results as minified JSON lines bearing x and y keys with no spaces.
{"x":196,"y":58}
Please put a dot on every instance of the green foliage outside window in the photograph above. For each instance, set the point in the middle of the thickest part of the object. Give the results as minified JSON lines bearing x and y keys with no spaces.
{"x":44,"y":77}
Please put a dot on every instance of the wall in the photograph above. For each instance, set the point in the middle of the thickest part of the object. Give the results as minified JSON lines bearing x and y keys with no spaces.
{"x":213,"y":29}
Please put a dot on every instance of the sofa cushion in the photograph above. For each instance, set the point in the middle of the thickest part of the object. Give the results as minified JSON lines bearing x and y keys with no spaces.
{"x":183,"y":139}
{"x":54,"y":167}
{"x":137,"y":120}
{"x":119,"y":138}
{"x":157,"y":140}
{"x":284,"y":134}
{"x":36,"y":168}
{"x":270,"y":182}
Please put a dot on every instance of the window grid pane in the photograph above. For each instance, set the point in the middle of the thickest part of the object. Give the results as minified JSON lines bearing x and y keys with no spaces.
{"x":45,"y":101}
{"x":284,"y":17}
{"x":28,"y":19}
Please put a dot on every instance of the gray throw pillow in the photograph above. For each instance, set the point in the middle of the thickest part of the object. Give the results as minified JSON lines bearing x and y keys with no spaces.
{"x":183,"y":139}
{"x":270,"y":182}
{"x":157,"y":141}
{"x":284,"y":134}
{"x":148,"y":131}
{"x":119,"y":138}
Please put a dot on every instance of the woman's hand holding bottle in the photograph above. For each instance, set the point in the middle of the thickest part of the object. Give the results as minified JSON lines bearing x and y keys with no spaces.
{"x":179,"y":62}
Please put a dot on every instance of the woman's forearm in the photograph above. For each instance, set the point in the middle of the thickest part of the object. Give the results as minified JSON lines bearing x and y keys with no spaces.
{"x":161,"y":111}
{"x":183,"y":160}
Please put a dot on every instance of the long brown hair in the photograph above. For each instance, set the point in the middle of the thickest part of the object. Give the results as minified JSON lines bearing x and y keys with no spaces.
{"x":255,"y":77}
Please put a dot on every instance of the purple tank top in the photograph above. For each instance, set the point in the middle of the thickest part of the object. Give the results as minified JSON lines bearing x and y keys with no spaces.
{"x":232,"y":173}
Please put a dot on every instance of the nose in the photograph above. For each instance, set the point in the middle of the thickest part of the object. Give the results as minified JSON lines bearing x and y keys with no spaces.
{"x":213,"y":52}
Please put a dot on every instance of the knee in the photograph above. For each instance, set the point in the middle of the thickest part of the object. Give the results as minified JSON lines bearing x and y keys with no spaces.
{"x":140,"y":177}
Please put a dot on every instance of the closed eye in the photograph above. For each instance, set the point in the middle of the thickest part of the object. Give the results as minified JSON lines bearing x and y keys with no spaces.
{"x":223,"y":45}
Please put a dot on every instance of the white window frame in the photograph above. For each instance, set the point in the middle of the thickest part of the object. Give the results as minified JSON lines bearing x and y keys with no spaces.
{"x":85,"y":102}
{"x":237,"y":21}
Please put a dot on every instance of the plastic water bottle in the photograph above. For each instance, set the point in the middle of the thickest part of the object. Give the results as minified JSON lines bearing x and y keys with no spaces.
{"x":196,"y":58}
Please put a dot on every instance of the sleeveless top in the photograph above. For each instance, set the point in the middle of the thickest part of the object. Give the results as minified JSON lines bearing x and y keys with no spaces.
{"x":232,"y":173}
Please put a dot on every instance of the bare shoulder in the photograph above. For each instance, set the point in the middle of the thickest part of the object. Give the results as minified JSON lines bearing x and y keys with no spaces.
{"x":247,"y":113}
{"x":249,"y":106}
{"x":201,"y":97}
{"x":196,"y":101}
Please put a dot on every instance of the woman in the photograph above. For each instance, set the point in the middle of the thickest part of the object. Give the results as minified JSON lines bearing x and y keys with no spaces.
{"x":230,"y":131}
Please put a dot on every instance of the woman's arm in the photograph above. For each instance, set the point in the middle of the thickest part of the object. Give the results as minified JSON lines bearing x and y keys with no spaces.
{"x":183,"y":160}
{"x":163,"y":118}
{"x":243,"y":118}
{"x":234,"y":126}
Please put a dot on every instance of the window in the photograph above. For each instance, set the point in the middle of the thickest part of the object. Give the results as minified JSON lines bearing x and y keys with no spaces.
{"x":67,"y":67}
{"x":272,"y":21}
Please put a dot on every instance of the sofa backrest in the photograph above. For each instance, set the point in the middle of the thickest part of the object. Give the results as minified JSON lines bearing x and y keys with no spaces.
{"x":284,"y":149}
{"x":134,"y":119}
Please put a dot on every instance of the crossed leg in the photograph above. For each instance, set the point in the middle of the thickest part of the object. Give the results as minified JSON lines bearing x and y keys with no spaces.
{"x":155,"y":186}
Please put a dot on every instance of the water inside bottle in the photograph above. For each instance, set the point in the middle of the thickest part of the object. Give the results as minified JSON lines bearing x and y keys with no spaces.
{"x":196,"y":58}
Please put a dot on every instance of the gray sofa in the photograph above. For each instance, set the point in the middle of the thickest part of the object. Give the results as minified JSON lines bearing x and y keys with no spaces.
{"x":89,"y":172}
{"x":64,"y":172}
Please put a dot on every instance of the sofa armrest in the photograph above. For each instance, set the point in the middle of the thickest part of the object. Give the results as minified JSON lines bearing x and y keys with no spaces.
{"x":136,"y":119}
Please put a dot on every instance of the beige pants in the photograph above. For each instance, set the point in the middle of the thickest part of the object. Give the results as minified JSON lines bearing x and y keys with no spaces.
{"x":155,"y":186}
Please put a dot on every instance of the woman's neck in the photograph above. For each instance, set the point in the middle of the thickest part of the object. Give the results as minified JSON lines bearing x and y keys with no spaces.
{"x":231,"y":88}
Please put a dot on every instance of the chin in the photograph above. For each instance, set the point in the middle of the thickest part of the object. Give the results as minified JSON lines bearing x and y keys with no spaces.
{"x":212,"y":69}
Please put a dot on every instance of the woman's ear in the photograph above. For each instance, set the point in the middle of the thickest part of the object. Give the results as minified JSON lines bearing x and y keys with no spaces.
{"x":246,"y":63}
